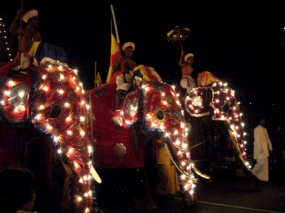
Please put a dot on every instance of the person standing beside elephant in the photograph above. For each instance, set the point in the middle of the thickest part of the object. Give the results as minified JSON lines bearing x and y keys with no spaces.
{"x":122,"y":71}
{"x":27,"y":35}
{"x":167,"y":178}
{"x":187,"y":82}
{"x":262,"y":149}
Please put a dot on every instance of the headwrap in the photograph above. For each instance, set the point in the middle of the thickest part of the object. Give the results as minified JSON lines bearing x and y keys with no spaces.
{"x":29,"y":14}
{"x":128,"y":44}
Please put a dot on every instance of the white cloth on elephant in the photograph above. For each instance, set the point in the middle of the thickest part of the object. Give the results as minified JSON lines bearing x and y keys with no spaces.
{"x":188,"y":83}
{"x":262,"y":145}
{"x":124,"y":83}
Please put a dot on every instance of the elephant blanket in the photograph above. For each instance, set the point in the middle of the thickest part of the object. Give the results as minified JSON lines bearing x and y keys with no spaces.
{"x":116,"y":146}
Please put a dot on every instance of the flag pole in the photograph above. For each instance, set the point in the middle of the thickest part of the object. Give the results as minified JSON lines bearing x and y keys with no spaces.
{"x":115,"y":24}
{"x":95,"y":70}
{"x":20,"y":32}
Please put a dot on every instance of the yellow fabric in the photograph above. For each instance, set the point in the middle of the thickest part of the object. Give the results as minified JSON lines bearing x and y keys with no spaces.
{"x":167,"y":178}
{"x":206,"y":78}
{"x":98,"y":79}
{"x":149,"y":73}
{"x":34,"y":48}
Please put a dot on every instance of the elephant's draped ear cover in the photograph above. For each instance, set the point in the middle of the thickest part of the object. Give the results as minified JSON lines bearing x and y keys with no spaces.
{"x":206,"y":78}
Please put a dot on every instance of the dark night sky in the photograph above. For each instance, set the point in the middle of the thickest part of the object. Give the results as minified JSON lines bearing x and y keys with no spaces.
{"x":235,"y":40}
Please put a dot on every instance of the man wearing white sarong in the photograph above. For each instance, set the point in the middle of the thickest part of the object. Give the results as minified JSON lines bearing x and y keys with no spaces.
{"x":262,"y":147}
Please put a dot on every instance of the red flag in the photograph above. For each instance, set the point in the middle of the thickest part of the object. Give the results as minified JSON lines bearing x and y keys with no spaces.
{"x":115,"y":53}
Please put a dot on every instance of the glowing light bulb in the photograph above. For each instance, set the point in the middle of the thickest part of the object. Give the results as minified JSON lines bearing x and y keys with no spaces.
{"x":90,"y":149}
{"x":49,"y":127}
{"x":11,"y":83}
{"x":21,"y":94}
{"x":7,"y":93}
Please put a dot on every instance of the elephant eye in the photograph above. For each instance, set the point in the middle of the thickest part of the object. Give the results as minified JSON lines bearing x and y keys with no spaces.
{"x":160,"y":115}
{"x":55,"y":112}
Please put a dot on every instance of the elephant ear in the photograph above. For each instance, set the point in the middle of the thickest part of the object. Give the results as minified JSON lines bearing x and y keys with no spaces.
{"x":132,"y":107}
{"x":196,"y":103}
{"x":15,"y":95}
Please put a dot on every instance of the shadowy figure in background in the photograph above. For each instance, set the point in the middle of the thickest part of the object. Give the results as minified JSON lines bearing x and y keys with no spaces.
{"x":17,"y":190}
{"x":279,"y":146}
{"x":262,"y":148}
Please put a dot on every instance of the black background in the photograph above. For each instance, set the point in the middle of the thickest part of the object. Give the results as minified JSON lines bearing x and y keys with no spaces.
{"x":238,"y":41}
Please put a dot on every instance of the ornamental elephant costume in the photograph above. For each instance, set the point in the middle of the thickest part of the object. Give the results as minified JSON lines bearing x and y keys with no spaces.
{"x":215,"y":100}
{"x":119,"y":142}
{"x":51,"y":99}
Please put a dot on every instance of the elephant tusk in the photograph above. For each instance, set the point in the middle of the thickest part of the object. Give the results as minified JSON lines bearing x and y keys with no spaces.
{"x":182,"y":171}
{"x":198,"y":144}
{"x":198,"y":172}
{"x":95,"y":175}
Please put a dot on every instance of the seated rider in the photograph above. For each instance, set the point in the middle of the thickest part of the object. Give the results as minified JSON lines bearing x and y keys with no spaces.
{"x":187,"y":82}
{"x":26,"y":36}
{"x":122,"y":68}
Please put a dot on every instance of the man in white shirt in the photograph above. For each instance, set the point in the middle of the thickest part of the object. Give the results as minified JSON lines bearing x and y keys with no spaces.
{"x":262,"y":148}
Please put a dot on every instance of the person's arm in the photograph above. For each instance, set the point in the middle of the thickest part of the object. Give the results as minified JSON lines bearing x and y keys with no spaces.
{"x":159,"y":143}
{"x":14,"y":25}
{"x":38,"y":37}
{"x":133,"y":64}
{"x":257,"y":144}
{"x":181,"y":58}
{"x":116,"y":64}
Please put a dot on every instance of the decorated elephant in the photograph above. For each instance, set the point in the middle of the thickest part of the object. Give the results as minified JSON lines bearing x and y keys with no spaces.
{"x":150,"y":109}
{"x":51,"y":99}
{"x":216,"y":101}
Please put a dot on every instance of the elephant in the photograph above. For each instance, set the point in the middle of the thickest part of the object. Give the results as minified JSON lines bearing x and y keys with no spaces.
{"x":216,"y":101}
{"x":152,"y":108}
{"x":51,"y":99}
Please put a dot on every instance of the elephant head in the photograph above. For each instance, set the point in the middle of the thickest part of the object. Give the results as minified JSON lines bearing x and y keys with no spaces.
{"x":218,"y":99}
{"x":52,"y":99}
{"x":156,"y":107}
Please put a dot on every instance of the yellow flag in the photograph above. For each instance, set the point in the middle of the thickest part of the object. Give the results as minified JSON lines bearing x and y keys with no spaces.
{"x":115,"y":53}
{"x":98,"y":80}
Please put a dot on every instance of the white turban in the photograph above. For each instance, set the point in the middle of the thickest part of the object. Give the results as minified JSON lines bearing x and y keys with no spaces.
{"x":29,"y":14}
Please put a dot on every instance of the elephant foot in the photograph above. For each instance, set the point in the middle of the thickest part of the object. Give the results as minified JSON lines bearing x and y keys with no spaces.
{"x":145,"y":204}
{"x":189,"y":202}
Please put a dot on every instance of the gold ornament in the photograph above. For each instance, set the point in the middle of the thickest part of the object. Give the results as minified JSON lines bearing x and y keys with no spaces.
{"x":120,"y":150}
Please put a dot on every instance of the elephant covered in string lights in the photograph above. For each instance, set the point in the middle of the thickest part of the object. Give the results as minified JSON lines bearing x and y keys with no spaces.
{"x":51,"y":99}
{"x":152,"y":108}
{"x":216,"y":100}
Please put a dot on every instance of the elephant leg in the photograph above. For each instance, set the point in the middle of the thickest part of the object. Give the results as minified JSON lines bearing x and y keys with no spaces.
{"x":144,"y":200}
{"x":119,"y":96}
{"x":66,"y":186}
